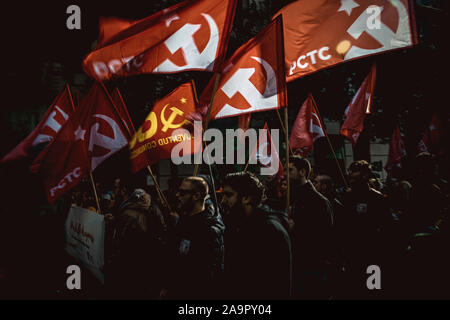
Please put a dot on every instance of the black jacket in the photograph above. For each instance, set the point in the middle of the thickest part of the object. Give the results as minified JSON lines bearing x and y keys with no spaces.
{"x":197,"y":256}
{"x":258,"y":257}
{"x":368,"y":225}
{"x":312,"y":234}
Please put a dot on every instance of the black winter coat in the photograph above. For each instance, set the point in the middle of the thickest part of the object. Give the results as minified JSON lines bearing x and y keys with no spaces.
{"x":197,"y":251}
{"x":258,"y":261}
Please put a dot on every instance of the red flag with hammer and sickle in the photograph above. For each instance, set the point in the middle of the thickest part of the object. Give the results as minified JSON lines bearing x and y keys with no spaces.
{"x":91,"y":135}
{"x":358,"y":108}
{"x":52,"y":121}
{"x":162,"y":130}
{"x":253,"y":79}
{"x":308,"y":127}
{"x":323,"y":33}
{"x":191,"y":35}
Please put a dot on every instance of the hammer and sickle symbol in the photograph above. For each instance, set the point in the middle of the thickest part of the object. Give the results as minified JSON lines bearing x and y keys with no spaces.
{"x":168,"y":123}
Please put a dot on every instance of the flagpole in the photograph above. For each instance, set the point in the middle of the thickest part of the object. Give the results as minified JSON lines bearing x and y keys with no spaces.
{"x":158,"y":189}
{"x":208,"y":116}
{"x":95,"y":192}
{"x":337,"y":162}
{"x":246,"y":165}
{"x":284,"y":129}
{"x":331,"y":147}
{"x":287,"y":160}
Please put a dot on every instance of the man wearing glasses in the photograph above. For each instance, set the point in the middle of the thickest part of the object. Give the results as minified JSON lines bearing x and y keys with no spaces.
{"x":196,"y":244}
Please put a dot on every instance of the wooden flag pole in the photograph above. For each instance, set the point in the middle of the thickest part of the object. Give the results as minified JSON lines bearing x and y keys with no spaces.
{"x":287,"y":161}
{"x":284,"y":129}
{"x":158,"y":189}
{"x":337,"y":162}
{"x":95,"y":192}
{"x":208,"y":115}
{"x":246,"y":165}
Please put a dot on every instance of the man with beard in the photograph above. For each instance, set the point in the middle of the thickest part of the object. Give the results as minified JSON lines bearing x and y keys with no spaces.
{"x":312,"y":234}
{"x":258,"y":247}
{"x":197,"y":244}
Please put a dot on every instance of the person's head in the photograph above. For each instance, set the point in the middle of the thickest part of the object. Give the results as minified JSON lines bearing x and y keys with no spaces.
{"x":324,"y":184}
{"x":138,"y":199}
{"x":191,"y":194}
{"x":299,"y":168}
{"x":108,"y":200}
{"x":425,"y":166}
{"x":359,"y":173}
{"x":241,"y":190}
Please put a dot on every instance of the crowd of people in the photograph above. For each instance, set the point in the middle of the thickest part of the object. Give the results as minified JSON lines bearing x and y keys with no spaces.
{"x":241,"y":242}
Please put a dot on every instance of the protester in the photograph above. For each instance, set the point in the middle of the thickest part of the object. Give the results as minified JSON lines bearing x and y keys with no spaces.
{"x":258,"y":246}
{"x":196,"y":244}
{"x":138,"y":260}
{"x":369,"y":224}
{"x":326,"y":186}
{"x":312,"y":232}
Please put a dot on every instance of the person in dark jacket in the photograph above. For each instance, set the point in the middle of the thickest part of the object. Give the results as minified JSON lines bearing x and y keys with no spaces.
{"x":312,"y":233}
{"x":138,"y":254}
{"x":257,"y":243}
{"x":368,"y":233}
{"x":196,"y":244}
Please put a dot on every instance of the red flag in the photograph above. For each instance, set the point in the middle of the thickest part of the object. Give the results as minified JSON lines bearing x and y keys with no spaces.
{"x":52,"y":121}
{"x":266,"y":154}
{"x":396,"y":150}
{"x":157,"y":136}
{"x":92,"y":134}
{"x":253,"y":78}
{"x":430,"y":141}
{"x":191,"y":35}
{"x":323,"y":33}
{"x":308,"y":127}
{"x":123,"y":111}
{"x":359,"y":107}
{"x":244,"y":123}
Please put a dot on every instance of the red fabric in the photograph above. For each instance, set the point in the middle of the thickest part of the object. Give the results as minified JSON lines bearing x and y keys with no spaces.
{"x":52,"y":121}
{"x":92,"y":134}
{"x":191,"y":35}
{"x":266,"y":154}
{"x":359,"y":107}
{"x":430,"y":141}
{"x":253,"y":79}
{"x":123,"y":111}
{"x":323,"y":33}
{"x":308,"y":127}
{"x":244,"y":123}
{"x":154,"y":140}
{"x":396,"y":150}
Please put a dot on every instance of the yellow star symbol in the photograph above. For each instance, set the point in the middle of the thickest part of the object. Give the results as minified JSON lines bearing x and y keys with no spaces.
{"x":183,"y":100}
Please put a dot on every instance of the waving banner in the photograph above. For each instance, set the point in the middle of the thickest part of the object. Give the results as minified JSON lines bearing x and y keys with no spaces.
{"x":253,"y":79}
{"x":93,"y":133}
{"x":323,"y":33}
{"x":308,"y":127}
{"x":52,"y":121}
{"x":191,"y":35}
{"x":155,"y":139}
